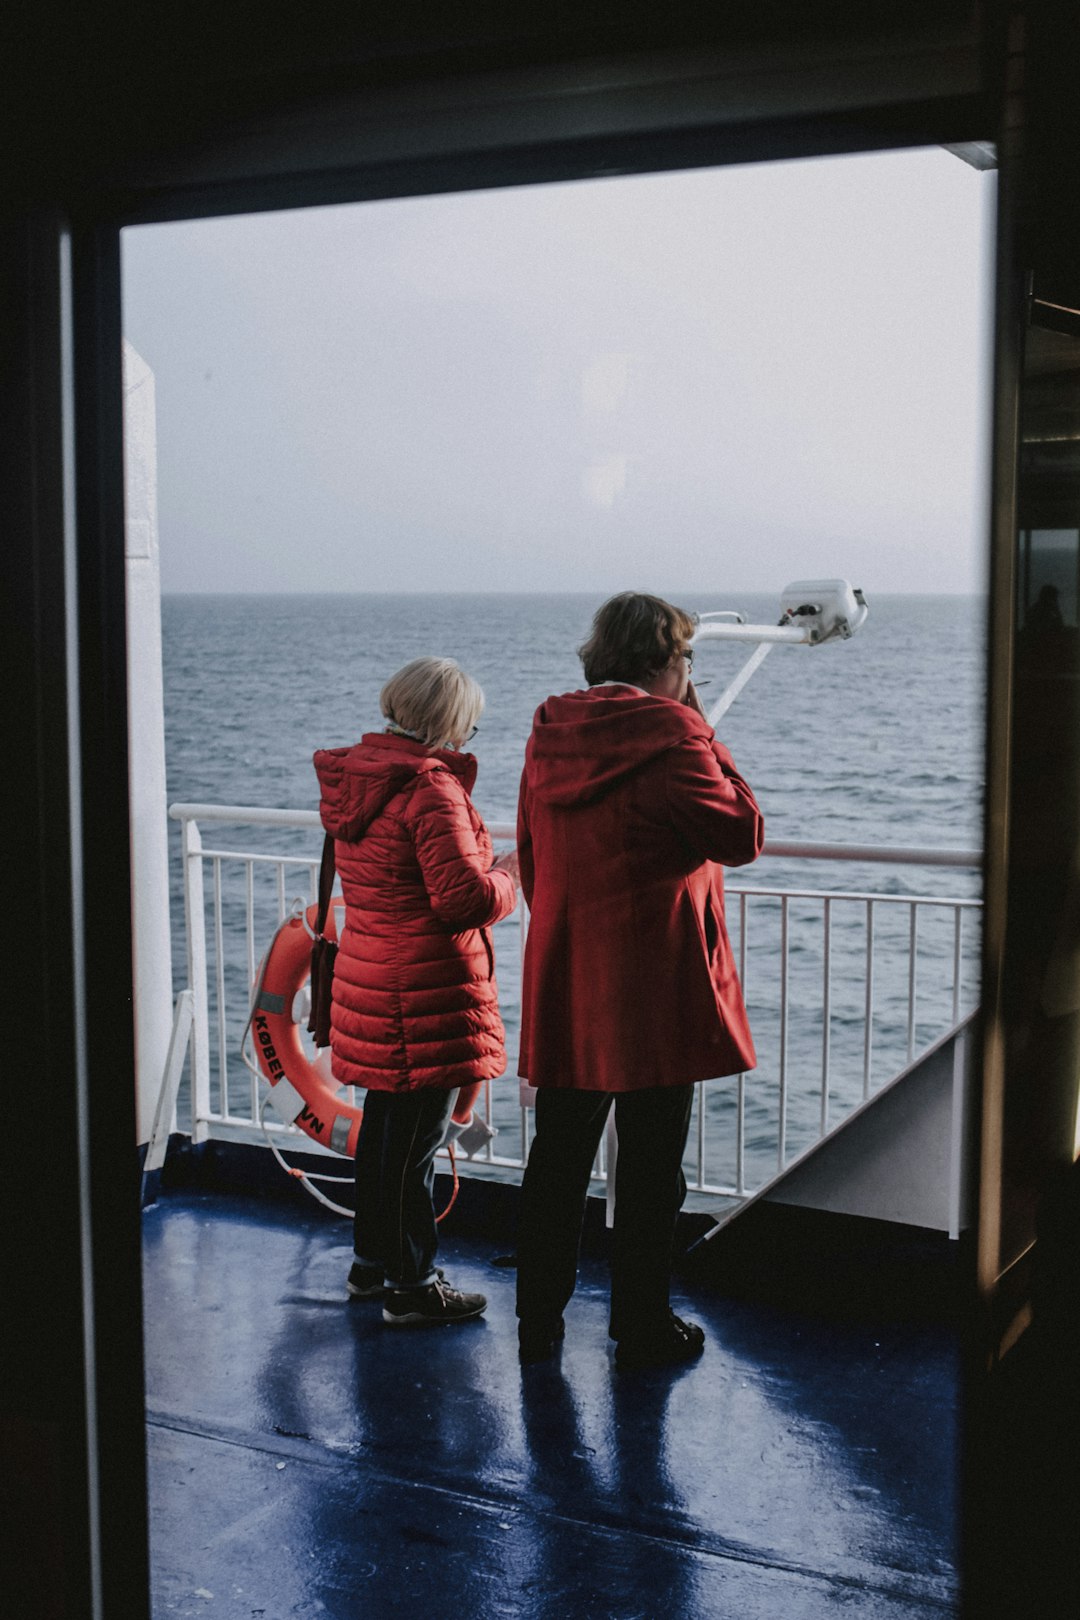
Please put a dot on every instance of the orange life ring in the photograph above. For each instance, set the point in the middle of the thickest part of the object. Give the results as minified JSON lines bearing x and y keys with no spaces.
{"x":303,"y":1090}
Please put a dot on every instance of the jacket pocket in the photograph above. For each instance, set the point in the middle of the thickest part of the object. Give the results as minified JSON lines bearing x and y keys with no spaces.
{"x":485,"y":935}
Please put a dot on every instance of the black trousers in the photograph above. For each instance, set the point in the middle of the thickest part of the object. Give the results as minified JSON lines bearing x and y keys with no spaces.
{"x":649,"y":1192}
{"x":394,"y":1228}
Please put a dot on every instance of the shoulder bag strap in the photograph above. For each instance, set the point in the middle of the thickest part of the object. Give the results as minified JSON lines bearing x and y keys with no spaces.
{"x":326,"y":883}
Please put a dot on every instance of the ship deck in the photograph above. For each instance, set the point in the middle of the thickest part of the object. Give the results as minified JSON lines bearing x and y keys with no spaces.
{"x":306,"y":1461}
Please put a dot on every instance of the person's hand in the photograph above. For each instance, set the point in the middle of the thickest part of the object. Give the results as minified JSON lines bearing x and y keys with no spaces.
{"x":693,"y":700}
{"x":508,"y":862}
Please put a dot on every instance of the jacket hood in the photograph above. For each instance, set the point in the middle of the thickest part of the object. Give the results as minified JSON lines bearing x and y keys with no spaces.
{"x":584,"y":743}
{"x":356,"y":784}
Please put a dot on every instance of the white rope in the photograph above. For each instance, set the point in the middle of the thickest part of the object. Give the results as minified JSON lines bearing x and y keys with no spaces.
{"x":306,"y":1177}
{"x":303,"y":1176}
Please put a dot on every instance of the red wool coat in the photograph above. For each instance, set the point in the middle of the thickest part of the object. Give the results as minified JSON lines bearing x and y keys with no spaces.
{"x":628,"y":807}
{"x":415,"y":1001}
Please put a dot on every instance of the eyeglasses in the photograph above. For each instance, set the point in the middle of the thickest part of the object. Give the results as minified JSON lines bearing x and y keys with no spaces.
{"x":470,"y":735}
{"x":688,"y":654}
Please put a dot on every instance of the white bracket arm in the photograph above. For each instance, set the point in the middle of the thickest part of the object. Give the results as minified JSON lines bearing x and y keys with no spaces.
{"x":170,"y":1082}
{"x":731,"y":692}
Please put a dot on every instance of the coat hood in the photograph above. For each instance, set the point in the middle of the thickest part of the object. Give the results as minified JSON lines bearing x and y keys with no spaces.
{"x":584,"y":743}
{"x":356,"y":784}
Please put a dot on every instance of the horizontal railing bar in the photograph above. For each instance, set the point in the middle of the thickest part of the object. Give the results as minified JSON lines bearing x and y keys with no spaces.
{"x":894,"y":854}
{"x":254,"y":858}
{"x":763,"y":893}
{"x":782,"y":849}
{"x":233,"y":1127}
{"x":760,"y":890}
{"x":255,"y":815}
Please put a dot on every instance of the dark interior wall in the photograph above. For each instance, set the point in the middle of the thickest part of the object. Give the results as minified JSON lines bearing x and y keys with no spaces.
{"x":43,"y":1436}
{"x":1032,"y":991}
{"x":121,"y":111}
{"x":71,"y":1384}
{"x":1021,"y":1469}
{"x":1050,"y":221}
{"x":132,"y":102}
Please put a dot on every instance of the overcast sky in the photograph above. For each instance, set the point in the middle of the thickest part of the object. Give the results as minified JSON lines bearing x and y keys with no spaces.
{"x":724,"y":378}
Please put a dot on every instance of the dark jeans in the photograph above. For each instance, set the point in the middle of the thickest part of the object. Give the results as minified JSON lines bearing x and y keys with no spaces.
{"x":649,"y":1192}
{"x":395,"y":1174}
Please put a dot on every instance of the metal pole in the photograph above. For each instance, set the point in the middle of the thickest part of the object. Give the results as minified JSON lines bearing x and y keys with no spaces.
{"x":219,"y":988}
{"x":740,"y":1094}
{"x":869,"y":1011}
{"x":781,"y":1146}
{"x":611,"y":1143}
{"x":727,"y":697}
{"x":913,"y":945}
{"x":195,"y":918}
{"x":826,"y":1017}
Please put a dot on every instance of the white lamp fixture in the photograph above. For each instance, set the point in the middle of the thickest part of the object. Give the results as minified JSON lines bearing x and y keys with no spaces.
{"x":812,"y":611}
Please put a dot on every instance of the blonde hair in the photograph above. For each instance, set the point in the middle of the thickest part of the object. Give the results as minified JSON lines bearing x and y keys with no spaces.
{"x":435,"y":699}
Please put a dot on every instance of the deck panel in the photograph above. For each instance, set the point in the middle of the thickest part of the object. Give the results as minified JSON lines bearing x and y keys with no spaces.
{"x":305,"y":1460}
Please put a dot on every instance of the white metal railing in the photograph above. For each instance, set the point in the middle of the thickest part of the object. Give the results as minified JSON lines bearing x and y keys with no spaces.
{"x":814,"y":963}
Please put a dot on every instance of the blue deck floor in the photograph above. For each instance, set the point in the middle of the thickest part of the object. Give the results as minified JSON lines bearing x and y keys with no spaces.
{"x":307,"y":1461}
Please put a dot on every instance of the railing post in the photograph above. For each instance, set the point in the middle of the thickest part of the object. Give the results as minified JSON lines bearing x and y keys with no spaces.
{"x":781,"y":1145}
{"x":611,"y":1157}
{"x":868,"y":1015}
{"x":958,"y":960}
{"x":219,"y":993}
{"x":913,"y":948}
{"x":195,"y":918}
{"x":740,"y":1084}
{"x":170,"y":1081}
{"x":249,"y":927}
{"x":523,"y":934}
{"x":956,"y":1140}
{"x":826,"y":1014}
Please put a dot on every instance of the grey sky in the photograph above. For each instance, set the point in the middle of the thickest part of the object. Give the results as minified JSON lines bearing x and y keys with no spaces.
{"x":730,"y":377}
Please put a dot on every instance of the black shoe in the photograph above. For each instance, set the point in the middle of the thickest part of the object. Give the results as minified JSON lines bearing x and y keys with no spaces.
{"x":366,"y":1282}
{"x":434,"y":1306}
{"x":538,"y":1341}
{"x":673,"y":1342}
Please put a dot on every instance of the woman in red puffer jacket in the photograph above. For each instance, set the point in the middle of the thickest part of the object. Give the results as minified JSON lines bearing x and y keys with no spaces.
{"x":415,"y":1005}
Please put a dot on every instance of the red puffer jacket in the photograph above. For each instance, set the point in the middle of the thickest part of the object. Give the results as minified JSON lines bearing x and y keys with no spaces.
{"x":415,"y":1001}
{"x":629,"y":806}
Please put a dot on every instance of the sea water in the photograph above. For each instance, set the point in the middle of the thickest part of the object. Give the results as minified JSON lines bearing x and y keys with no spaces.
{"x":877,"y":740}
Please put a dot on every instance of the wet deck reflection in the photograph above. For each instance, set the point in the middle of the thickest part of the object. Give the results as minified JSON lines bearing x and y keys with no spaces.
{"x":305,"y":1460}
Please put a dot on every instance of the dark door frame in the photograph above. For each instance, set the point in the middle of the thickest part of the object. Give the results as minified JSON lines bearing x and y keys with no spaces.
{"x":73,"y":1411}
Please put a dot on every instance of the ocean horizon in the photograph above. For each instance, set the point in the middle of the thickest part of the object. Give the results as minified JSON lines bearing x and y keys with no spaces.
{"x":691,"y":591}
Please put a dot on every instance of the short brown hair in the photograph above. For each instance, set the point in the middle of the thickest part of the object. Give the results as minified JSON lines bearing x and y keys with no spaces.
{"x":634,"y":636}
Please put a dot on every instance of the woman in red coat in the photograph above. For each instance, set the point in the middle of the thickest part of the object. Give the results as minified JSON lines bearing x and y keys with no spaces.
{"x":629,"y":808}
{"x":415,"y":1006}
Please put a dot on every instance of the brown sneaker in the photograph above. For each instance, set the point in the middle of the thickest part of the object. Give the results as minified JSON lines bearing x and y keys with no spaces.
{"x":434,"y":1306}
